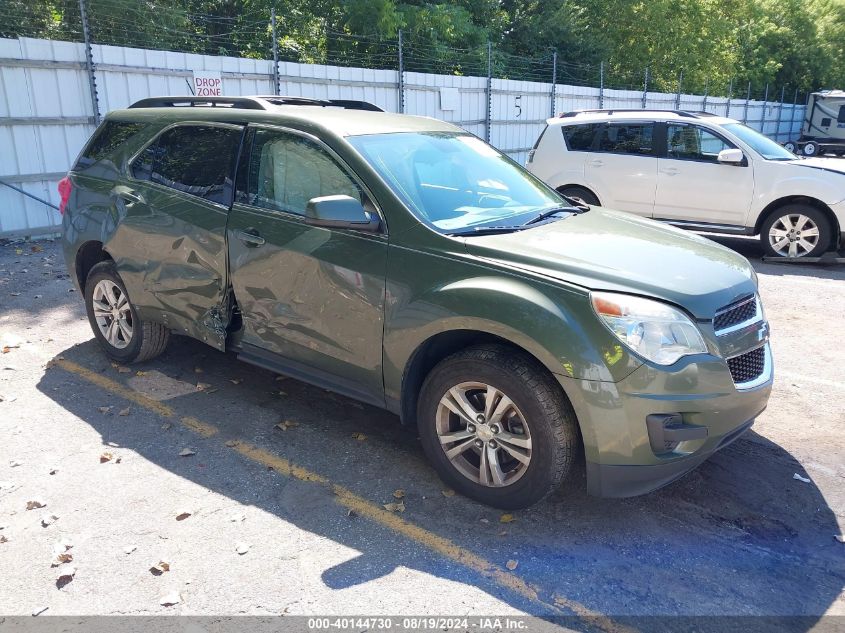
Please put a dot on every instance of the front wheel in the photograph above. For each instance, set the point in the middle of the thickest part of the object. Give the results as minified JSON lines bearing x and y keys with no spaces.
{"x":796,"y":231}
{"x":496,"y":427}
{"x":789,"y":146}
{"x":115,"y":322}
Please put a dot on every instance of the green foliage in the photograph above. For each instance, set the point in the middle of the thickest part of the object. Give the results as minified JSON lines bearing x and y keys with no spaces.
{"x":711,"y":43}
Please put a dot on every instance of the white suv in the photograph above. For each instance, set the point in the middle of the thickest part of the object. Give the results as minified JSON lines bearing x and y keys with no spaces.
{"x":698,"y":171}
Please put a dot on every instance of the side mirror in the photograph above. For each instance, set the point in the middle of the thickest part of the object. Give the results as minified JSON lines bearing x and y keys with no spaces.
{"x":340,"y":212}
{"x":731,"y":157}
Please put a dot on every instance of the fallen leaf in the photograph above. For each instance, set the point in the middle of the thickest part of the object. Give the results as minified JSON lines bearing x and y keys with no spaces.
{"x":53,"y":471}
{"x":202,"y":386}
{"x":104,"y":410}
{"x":187,"y":452}
{"x":447,"y":493}
{"x":170,"y":599}
{"x":484,"y":520}
{"x":399,"y":493}
{"x":183,"y":514}
{"x":359,"y":436}
{"x":124,"y":370}
{"x":399,"y":506}
{"x":61,"y":559}
{"x":3,"y":539}
{"x":284,"y":425}
{"x":506,"y":518}
{"x":242,"y":548}
{"x":351,"y":514}
{"x":65,"y":576}
{"x":511,"y":564}
{"x":35,"y":248}
{"x":159,"y":568}
{"x":503,"y":533}
{"x":34,"y":504}
{"x":232,"y":443}
{"x":141,"y":373}
{"x":106,"y":457}
{"x":236,"y":381}
{"x":800,"y":478}
{"x":48,"y":519}
{"x":124,"y":411}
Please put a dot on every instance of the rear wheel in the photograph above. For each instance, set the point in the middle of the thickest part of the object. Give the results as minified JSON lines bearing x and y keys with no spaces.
{"x":796,"y":231}
{"x":496,"y":427}
{"x":114,"y":320}
{"x":581,"y":193}
{"x":810,"y":149}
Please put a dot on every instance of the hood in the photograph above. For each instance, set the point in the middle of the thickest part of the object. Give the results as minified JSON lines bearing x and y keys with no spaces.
{"x":836,"y":165}
{"x":609,"y":250}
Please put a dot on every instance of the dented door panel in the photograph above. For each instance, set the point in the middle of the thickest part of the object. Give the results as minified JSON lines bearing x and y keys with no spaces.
{"x":312,"y":295}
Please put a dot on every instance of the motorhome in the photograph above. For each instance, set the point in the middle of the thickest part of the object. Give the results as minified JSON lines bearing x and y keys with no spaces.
{"x":823,"y":131}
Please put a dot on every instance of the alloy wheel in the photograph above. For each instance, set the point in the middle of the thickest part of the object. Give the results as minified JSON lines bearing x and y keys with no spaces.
{"x":112,"y":313}
{"x":793,"y":235}
{"x":483,"y":434}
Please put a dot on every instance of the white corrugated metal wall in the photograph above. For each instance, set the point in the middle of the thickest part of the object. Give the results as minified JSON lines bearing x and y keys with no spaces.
{"x":46,"y":113}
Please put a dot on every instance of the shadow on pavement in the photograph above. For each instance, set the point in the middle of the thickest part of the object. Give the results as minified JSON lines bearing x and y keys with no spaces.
{"x":736,"y":536}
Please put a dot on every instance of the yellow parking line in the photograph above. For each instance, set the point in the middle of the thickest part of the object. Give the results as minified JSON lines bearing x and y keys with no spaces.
{"x":359,"y":505}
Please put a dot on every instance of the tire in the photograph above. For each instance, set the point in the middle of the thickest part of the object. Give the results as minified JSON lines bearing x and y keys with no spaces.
{"x":810,"y":149}
{"x":133,"y":341}
{"x":789,"y":146}
{"x":810,"y":237}
{"x":536,"y":413}
{"x":580,"y":192}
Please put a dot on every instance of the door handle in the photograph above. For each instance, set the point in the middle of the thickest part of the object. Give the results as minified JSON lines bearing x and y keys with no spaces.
{"x":596,"y":162}
{"x":250,"y":237}
{"x":670,"y":171}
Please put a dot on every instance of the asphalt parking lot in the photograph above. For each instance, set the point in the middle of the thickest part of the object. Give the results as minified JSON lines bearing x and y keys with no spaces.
{"x":277,"y":506}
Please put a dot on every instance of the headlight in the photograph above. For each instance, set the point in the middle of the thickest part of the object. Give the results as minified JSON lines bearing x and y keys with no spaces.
{"x":654,"y":330}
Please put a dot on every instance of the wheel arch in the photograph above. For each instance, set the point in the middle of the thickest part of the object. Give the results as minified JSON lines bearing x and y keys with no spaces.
{"x":89,"y":255}
{"x":561,"y":188}
{"x":773,"y":206}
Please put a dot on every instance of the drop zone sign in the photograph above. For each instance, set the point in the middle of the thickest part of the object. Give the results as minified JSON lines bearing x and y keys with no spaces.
{"x":207,"y":83}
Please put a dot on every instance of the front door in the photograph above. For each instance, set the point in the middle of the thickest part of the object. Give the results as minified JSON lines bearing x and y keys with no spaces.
{"x":622,"y":167}
{"x":312,"y":298}
{"x":170,"y":244}
{"x":692,"y":185}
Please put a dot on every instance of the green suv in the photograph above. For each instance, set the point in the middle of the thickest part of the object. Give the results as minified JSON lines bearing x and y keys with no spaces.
{"x":405,"y":263}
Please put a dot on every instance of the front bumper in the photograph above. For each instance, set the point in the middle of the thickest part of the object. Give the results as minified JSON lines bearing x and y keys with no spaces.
{"x":621,"y":461}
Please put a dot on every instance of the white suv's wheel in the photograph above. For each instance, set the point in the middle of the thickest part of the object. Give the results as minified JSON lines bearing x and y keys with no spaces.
{"x":810,"y":149}
{"x":796,"y":231}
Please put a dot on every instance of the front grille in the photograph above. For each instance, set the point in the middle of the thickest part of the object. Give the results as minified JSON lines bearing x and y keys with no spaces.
{"x":748,"y":366}
{"x":735,"y":313}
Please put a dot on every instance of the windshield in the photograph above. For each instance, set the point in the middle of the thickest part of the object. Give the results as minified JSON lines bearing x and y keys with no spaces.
{"x":764,"y":146}
{"x":453,"y":181}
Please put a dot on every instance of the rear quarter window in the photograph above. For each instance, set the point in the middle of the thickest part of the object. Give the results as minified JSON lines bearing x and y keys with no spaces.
{"x":108,"y":138}
{"x":579,"y":138}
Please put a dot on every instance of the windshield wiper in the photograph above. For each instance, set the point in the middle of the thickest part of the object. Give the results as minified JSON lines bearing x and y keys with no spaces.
{"x":486,"y":230}
{"x":550,"y":212}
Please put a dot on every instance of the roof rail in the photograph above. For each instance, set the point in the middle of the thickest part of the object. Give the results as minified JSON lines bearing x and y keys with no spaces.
{"x":683,"y":113}
{"x":243,"y":103}
{"x":349,"y":104}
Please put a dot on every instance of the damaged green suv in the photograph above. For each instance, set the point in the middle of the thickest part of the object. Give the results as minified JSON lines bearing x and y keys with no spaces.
{"x":405,"y":263}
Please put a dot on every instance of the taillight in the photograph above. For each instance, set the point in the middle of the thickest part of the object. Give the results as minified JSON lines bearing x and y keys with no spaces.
{"x":65,"y":187}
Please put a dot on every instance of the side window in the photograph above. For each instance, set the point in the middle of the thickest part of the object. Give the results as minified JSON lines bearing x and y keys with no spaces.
{"x":286,"y":171}
{"x":826,"y":122}
{"x":627,"y":138}
{"x":579,"y":138}
{"x":108,"y":138}
{"x":688,"y":142}
{"x":841,"y":116}
{"x":193,"y":159}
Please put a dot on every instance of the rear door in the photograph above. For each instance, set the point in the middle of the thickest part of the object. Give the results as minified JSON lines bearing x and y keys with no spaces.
{"x":692,"y":185}
{"x":312,"y":298}
{"x":170,"y":246}
{"x":622,"y":166}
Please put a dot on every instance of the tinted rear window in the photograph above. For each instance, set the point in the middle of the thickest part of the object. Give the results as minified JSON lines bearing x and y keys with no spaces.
{"x":579,"y":138}
{"x":627,"y":138}
{"x":109,"y":137}
{"x":193,"y":159}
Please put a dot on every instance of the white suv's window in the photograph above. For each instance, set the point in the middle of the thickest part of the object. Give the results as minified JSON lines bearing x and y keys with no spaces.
{"x":579,"y":138}
{"x":627,"y":138}
{"x":689,"y":142}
